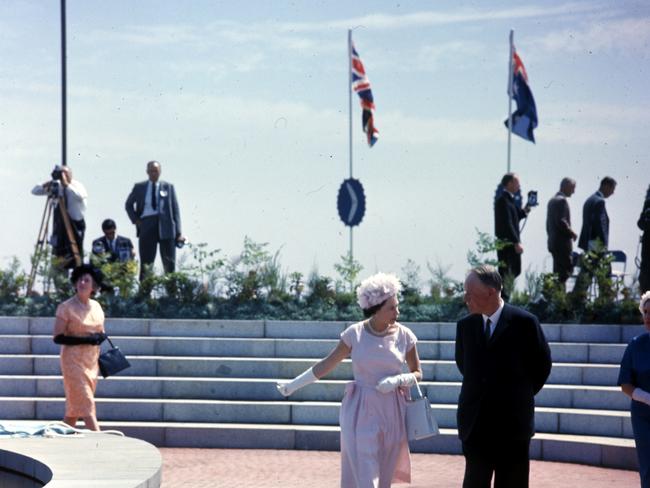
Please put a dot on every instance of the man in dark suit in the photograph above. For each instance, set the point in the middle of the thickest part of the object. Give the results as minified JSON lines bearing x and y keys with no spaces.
{"x":560,"y":233}
{"x":114,"y":247}
{"x":594,"y":238}
{"x":505,"y":360}
{"x":644,"y":225}
{"x":153,"y":208}
{"x":595,"y":221}
{"x":507,"y":215}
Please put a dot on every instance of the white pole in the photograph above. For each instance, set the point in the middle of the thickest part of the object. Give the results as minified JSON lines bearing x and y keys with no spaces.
{"x":350,"y":110}
{"x":510,"y":73}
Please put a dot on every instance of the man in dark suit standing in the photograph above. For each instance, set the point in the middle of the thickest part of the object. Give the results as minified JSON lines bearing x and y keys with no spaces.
{"x":560,"y":233}
{"x":113,"y":247}
{"x":595,"y":221}
{"x":153,"y":208}
{"x":644,"y":225}
{"x":594,"y":237}
{"x":507,"y":215}
{"x":505,"y":360}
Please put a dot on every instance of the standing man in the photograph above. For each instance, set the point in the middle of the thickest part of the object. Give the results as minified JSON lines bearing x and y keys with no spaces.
{"x":505,"y":360}
{"x":507,"y":215}
{"x":560,"y":233}
{"x":153,"y":208}
{"x":595,"y":221}
{"x":644,"y":225}
{"x":114,"y":247}
{"x":594,"y":237}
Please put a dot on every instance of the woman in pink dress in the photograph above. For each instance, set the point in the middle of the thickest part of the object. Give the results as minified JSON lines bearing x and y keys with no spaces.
{"x":374,"y":445}
{"x":79,"y":328}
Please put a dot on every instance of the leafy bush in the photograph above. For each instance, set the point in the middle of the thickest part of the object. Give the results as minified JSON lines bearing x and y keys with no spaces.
{"x":252,"y":285}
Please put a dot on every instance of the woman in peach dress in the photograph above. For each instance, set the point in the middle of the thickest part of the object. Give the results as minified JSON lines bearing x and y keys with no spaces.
{"x":374,"y":445}
{"x":79,"y":328}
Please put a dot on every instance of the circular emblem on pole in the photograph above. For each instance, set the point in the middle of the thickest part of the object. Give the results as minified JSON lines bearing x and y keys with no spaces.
{"x":351,"y":202}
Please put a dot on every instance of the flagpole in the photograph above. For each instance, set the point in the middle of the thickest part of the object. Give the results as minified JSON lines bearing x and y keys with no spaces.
{"x":350,"y":111}
{"x":64,"y":83}
{"x":510,"y":73}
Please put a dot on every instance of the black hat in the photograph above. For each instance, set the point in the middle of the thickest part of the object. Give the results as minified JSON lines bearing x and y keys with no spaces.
{"x":79,"y":271}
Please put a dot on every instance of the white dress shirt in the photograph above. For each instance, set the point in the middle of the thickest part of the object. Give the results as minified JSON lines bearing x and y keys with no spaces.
{"x":148,"y":210}
{"x":494,"y":318}
{"x":76,"y":198}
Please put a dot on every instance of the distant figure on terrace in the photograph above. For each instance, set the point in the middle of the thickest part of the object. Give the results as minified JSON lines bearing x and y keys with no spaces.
{"x":634,"y":379}
{"x":79,"y":328}
{"x":560,"y":233}
{"x":507,"y":215}
{"x":644,"y":225}
{"x":153,"y":208}
{"x":112,"y":247}
{"x":594,"y":237}
{"x":374,"y":446}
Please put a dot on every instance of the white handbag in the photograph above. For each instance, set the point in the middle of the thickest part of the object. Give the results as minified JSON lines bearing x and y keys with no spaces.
{"x":420,"y":423}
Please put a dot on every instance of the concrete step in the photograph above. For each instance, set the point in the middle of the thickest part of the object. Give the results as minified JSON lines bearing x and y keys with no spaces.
{"x":606,"y":423}
{"x":223,"y":367}
{"x":259,"y":389}
{"x":290,"y":348}
{"x":580,"y":333}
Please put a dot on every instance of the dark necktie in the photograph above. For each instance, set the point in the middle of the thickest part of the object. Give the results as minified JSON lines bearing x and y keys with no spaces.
{"x":154,"y":202}
{"x":487,"y":331}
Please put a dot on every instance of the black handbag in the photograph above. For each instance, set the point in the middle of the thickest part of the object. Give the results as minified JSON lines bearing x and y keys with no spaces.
{"x":112,"y":361}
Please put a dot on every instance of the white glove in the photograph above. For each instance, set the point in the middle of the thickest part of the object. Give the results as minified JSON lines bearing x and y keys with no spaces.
{"x":390,"y":383}
{"x":288,"y":387}
{"x":641,"y":396}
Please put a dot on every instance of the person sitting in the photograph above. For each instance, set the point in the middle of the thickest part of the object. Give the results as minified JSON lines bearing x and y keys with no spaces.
{"x":113,"y":247}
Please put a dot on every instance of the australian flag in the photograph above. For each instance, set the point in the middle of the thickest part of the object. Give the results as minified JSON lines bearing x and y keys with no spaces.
{"x":361,"y":85}
{"x":524,"y":119}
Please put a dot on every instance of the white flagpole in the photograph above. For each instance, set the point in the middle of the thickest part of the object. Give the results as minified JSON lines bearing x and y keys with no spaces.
{"x":350,"y":111}
{"x":510,"y":74}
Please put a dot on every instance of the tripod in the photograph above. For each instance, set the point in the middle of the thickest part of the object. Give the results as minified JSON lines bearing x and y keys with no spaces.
{"x":41,"y":240}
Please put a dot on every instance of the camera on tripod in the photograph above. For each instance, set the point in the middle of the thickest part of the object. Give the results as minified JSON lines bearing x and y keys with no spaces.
{"x":54,"y":186}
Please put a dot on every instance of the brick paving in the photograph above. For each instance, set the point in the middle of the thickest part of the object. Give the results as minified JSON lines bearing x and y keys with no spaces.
{"x":244,"y":468}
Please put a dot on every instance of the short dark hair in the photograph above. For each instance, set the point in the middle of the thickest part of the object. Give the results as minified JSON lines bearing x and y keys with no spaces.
{"x":369,"y":312}
{"x":108,"y":224}
{"x":507,"y":178}
{"x":607,"y":181}
{"x":488,"y":275}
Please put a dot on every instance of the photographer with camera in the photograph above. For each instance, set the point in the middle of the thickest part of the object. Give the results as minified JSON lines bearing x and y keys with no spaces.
{"x":69,"y":197}
{"x":507,"y":215}
{"x":644,"y":225}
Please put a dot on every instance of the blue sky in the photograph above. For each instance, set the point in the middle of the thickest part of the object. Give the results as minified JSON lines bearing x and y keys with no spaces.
{"x":246,"y":107}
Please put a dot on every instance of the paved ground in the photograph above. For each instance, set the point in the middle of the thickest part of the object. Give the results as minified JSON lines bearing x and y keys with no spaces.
{"x":244,"y":468}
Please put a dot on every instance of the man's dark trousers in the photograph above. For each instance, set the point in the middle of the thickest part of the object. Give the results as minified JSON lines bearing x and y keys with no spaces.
{"x":562,"y":265}
{"x":507,"y":459}
{"x":149,"y":241}
{"x":496,"y":405}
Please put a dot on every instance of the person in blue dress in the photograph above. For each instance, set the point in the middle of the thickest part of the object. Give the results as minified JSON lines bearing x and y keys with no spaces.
{"x":634,"y":379}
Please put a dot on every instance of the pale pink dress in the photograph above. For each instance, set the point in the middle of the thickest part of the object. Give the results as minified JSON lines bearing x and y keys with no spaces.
{"x":79,"y":363}
{"x":374,"y":446}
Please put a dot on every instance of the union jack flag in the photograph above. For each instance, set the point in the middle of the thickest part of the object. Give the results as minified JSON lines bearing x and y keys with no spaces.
{"x":361,"y":85}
